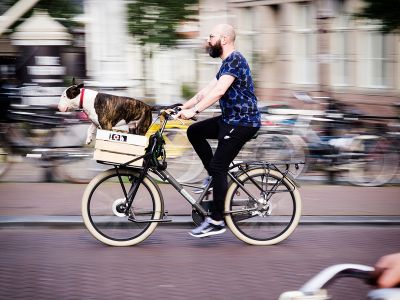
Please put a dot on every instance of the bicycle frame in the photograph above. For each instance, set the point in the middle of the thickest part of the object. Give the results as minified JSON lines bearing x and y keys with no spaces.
{"x":156,"y":141}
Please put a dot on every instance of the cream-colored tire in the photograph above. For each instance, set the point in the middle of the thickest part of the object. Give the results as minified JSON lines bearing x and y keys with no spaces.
{"x":100,"y":204}
{"x":284,"y":208}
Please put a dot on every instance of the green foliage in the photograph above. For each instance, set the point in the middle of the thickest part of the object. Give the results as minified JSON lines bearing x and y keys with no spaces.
{"x":156,"y":21}
{"x":187,"y":91}
{"x":386,"y":11}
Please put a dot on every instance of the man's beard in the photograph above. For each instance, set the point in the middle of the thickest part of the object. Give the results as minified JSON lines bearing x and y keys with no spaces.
{"x":216,"y":50}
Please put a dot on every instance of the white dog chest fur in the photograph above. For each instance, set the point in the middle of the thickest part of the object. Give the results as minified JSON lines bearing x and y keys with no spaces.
{"x":116,"y":147}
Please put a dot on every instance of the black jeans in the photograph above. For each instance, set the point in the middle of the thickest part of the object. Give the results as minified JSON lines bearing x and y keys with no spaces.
{"x":230,"y":140}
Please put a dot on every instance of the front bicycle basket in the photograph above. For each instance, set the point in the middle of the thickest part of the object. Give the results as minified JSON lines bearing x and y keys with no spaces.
{"x":119,"y":148}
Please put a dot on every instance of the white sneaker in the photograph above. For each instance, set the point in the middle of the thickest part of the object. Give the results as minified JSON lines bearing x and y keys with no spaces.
{"x":208,"y":227}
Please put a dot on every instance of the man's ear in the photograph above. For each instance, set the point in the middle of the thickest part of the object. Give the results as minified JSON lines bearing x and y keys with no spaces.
{"x":224,"y":40}
{"x":80,"y":86}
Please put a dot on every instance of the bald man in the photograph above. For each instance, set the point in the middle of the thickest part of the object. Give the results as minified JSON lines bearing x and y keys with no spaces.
{"x":240,"y":120}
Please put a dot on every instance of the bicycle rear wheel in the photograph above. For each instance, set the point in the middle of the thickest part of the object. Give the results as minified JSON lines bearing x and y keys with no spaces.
{"x":268,"y":223}
{"x":102,"y":208}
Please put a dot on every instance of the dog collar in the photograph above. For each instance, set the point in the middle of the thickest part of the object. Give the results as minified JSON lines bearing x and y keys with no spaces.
{"x":81,"y":99}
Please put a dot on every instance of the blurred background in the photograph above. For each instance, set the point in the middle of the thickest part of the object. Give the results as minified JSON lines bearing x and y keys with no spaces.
{"x":326,"y":74}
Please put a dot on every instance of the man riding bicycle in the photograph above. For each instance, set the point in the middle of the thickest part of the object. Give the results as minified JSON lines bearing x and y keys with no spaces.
{"x":240,"y":120}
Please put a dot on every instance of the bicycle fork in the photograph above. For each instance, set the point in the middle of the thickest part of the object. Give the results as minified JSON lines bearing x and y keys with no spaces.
{"x":130,"y":196}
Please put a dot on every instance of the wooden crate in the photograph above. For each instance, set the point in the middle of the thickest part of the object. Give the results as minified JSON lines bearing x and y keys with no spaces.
{"x":116,"y":147}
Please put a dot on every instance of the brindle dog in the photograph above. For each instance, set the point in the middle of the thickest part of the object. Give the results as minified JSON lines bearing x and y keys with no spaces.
{"x":107,"y":111}
{"x":111,"y":109}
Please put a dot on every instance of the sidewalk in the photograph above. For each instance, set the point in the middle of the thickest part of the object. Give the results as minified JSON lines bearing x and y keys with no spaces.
{"x":59,"y":204}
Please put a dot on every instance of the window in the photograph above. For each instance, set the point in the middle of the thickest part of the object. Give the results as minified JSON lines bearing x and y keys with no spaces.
{"x":375,"y":65}
{"x":305,"y":66}
{"x":246,"y":34}
{"x":340,"y":45}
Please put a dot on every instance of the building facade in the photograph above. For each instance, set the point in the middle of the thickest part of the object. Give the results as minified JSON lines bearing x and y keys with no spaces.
{"x":316,"y":46}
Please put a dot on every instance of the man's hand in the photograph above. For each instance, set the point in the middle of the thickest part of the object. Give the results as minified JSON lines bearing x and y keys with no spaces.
{"x":390,"y":266}
{"x":186,"y":114}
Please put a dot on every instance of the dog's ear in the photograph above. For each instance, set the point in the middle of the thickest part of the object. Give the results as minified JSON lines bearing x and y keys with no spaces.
{"x":80,"y":86}
{"x":73,"y":80}
{"x":72,"y":92}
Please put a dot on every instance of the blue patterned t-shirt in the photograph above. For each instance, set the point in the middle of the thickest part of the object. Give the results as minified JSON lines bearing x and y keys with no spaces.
{"x":239,"y":103}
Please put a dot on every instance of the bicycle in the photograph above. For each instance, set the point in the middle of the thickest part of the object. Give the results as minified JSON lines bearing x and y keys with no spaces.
{"x":123,"y":205}
{"x":345,"y":142}
{"x":51,"y":138}
{"x":315,"y":288}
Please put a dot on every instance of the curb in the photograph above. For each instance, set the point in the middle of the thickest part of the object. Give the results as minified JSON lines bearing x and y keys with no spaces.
{"x":185,"y":221}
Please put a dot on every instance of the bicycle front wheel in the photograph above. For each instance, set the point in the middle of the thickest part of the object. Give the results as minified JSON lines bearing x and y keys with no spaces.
{"x":103,"y":205}
{"x":272,"y":217}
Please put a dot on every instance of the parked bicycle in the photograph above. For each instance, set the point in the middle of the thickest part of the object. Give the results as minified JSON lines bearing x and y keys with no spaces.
{"x":315,"y":288}
{"x":338,"y":140}
{"x":123,"y":205}
{"x":51,"y":138}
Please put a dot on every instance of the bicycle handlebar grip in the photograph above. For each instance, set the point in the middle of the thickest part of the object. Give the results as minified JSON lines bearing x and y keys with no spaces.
{"x":374,"y":276}
{"x":178,"y":109}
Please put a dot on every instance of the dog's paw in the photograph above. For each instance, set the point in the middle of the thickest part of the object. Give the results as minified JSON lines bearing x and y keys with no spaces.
{"x":122,"y":128}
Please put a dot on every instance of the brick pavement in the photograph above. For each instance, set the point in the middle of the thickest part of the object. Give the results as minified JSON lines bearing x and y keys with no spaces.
{"x":70,"y":264}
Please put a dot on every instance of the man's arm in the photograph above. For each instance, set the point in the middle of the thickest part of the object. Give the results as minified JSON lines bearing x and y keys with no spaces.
{"x":200,"y":95}
{"x":209,"y":99}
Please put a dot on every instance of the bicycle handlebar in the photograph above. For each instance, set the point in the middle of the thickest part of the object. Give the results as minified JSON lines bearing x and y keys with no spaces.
{"x":314,"y":288}
{"x":172,"y":112}
{"x":323,"y":278}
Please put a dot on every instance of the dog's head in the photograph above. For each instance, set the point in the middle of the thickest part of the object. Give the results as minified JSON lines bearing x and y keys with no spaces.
{"x":69,"y":99}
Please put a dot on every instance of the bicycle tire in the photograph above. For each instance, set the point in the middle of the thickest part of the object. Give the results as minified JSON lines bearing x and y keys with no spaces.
{"x":285,"y":208}
{"x":102,"y":218}
{"x":5,"y":162}
{"x":281,"y":147}
{"x":79,"y":169}
{"x":378,"y":167}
